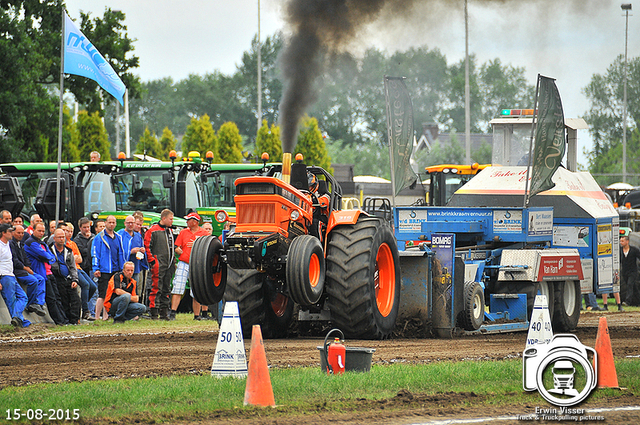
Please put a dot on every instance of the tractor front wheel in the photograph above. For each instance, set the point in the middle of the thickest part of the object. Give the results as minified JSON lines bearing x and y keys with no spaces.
{"x":207,"y":272}
{"x":305,"y":271}
{"x":363,"y":279}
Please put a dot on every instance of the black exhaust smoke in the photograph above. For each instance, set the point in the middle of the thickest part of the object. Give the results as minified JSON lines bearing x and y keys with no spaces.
{"x":320,"y":30}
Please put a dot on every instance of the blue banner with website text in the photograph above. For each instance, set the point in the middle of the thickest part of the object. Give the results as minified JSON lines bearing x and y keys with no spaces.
{"x":82,"y":58}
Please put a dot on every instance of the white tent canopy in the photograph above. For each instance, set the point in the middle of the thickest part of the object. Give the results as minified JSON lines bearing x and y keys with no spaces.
{"x":620,"y":186}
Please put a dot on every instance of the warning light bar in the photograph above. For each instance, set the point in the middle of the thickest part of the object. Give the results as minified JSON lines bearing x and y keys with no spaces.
{"x":516,"y":113}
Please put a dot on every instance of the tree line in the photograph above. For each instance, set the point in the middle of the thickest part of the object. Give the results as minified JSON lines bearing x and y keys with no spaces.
{"x":347,"y":122}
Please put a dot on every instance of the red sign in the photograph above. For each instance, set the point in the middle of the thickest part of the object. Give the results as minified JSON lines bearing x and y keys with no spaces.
{"x":559,"y":267}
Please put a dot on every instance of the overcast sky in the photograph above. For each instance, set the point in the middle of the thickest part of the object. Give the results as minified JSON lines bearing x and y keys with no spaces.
{"x":569,"y":40}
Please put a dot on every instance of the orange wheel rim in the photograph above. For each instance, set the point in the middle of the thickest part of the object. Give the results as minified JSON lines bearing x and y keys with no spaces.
{"x":217,"y":277}
{"x":385,"y":280}
{"x":279,"y":305}
{"x":314,"y":270}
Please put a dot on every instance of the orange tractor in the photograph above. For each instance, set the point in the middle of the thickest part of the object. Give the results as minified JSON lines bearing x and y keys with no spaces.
{"x":290,"y":242}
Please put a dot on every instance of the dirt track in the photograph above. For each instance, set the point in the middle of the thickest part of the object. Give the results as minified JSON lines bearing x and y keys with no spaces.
{"x":77,"y":357}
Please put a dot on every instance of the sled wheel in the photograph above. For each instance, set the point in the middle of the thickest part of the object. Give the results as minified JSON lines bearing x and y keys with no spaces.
{"x":256,"y":306}
{"x":567,"y":303}
{"x":363,"y":279}
{"x":305,"y":271}
{"x":207,"y":273}
{"x":473,"y":314}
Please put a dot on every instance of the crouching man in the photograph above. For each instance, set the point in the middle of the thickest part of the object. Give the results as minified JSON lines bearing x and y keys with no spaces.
{"x":121,"y":300}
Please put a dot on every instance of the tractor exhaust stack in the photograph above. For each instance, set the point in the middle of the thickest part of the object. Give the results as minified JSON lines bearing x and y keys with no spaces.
{"x":286,"y":167}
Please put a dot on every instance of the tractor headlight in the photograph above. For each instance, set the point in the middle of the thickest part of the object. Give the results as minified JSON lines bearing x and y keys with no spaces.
{"x":295,"y":214}
{"x":221,"y":216}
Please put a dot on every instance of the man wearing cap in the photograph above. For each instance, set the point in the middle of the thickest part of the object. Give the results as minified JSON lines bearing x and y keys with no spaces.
{"x":629,"y":255}
{"x":12,"y":292}
{"x":184,"y":243}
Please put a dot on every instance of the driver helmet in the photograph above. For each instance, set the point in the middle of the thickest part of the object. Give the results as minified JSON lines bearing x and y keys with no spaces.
{"x":313,"y":182}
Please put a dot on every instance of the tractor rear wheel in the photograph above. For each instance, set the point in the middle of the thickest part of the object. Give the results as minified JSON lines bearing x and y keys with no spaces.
{"x":363,"y":279}
{"x":305,"y":271}
{"x":207,"y":273}
{"x":567,"y":306}
{"x":473,"y":314}
{"x":258,"y":304}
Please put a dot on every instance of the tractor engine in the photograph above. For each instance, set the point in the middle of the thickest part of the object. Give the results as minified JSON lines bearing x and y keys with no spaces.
{"x":269,"y":215}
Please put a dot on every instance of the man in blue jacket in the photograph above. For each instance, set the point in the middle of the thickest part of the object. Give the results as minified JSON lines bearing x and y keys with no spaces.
{"x":41,"y":258}
{"x":133,"y":247}
{"x":22,"y":270}
{"x":107,"y":256}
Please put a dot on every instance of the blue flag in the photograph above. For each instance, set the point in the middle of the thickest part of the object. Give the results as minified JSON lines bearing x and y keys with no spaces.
{"x":82,"y":58}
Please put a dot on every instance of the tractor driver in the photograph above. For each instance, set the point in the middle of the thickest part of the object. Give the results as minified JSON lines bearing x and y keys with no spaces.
{"x":323,"y":198}
{"x":321,"y":206}
{"x":144,"y":196}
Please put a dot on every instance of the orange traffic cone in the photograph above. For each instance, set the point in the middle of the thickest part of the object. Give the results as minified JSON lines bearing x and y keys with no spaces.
{"x":607,"y":376}
{"x":258,"y":391}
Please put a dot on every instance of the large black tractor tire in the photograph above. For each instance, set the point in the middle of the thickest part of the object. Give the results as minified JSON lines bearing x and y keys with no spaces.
{"x":567,"y":300}
{"x":207,"y":273}
{"x":305,"y":272}
{"x":472,"y":316}
{"x":363,"y":279}
{"x":257,"y":304}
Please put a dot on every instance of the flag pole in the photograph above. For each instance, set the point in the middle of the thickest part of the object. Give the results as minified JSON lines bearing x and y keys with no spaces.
{"x":390,"y":142}
{"x":127,"y":141}
{"x":533,"y":126}
{"x":58,"y":172}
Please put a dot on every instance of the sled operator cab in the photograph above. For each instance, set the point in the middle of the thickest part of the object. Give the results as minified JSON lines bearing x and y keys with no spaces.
{"x":445,"y":179}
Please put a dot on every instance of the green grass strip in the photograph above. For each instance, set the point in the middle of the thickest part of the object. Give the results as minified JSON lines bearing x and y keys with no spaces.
{"x":297,"y":390}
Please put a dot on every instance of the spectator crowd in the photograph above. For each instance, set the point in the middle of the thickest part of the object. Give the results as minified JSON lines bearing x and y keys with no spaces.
{"x":98,"y":274}
{"x":137,"y":272}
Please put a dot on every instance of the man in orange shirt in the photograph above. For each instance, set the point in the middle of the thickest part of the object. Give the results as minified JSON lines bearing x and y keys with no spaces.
{"x":184,"y":243}
{"x":121,"y":300}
